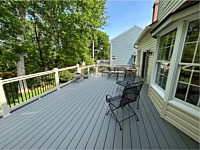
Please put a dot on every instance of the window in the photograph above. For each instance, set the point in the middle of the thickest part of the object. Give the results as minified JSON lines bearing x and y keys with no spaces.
{"x":113,"y":57}
{"x":188,"y":84}
{"x":163,"y":59}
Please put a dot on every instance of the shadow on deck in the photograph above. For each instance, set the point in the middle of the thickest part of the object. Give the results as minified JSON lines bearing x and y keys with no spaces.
{"x":74,"y":118}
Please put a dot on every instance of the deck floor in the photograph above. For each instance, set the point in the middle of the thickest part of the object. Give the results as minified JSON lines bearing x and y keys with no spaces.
{"x":74,"y":118}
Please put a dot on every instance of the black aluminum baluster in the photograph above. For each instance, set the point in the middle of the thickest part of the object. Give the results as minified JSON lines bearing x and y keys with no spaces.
{"x":28,"y":88}
{"x":51,"y":83}
{"x":47,"y":81}
{"x":41,"y":84}
{"x":13,"y":100}
{"x":32,"y":87}
{"x":24,"y":89}
{"x":16,"y":89}
{"x":19,"y":85}
{"x":35,"y":87}
{"x":54,"y":81}
{"x":7,"y":95}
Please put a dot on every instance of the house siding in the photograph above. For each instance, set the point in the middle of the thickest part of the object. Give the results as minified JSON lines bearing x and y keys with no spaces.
{"x":165,"y":7}
{"x":147,"y":43}
{"x":156,"y":99}
{"x":122,"y":46}
{"x":183,"y":120}
{"x":178,"y":116}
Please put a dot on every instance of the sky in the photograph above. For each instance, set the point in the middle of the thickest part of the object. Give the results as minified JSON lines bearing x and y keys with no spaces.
{"x":124,"y":14}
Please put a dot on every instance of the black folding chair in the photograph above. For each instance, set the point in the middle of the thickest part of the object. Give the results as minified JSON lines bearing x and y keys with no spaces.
{"x":112,"y":71}
{"x":130,"y":94}
{"x":120,"y":71}
{"x":128,"y":80}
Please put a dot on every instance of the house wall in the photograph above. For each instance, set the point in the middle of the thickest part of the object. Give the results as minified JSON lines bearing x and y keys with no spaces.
{"x":177,"y":112}
{"x":165,"y":7}
{"x":183,"y":120}
{"x":147,"y":43}
{"x":122,"y":46}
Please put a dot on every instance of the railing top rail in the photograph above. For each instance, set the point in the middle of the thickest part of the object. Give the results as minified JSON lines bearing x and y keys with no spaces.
{"x":104,"y":65}
{"x":67,"y":68}
{"x":26,"y":76}
{"x":87,"y":66}
{"x":39,"y":74}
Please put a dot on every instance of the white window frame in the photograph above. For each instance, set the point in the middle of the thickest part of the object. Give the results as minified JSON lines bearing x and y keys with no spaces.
{"x":186,"y":24}
{"x":173,"y":75}
{"x":161,"y":91}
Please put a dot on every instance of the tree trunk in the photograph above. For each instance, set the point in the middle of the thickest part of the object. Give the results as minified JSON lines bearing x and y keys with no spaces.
{"x":20,"y":63}
{"x":21,"y":72}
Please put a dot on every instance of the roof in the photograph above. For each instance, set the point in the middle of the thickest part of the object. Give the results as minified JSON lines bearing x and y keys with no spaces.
{"x":146,"y":30}
{"x":127,"y":31}
{"x":184,"y":6}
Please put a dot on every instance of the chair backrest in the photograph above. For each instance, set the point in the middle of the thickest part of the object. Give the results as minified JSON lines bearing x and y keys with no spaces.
{"x":130,"y":78}
{"x":131,"y":93}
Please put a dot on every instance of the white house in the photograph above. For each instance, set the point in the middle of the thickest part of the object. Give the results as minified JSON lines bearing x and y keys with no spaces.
{"x":122,"y":50}
{"x":168,"y":59}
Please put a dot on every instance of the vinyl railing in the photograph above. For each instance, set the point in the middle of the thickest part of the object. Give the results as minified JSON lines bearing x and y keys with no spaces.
{"x":19,"y":91}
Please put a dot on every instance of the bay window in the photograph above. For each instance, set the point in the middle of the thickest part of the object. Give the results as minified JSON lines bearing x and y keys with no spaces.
{"x":188,"y":87}
{"x":165,"y":51}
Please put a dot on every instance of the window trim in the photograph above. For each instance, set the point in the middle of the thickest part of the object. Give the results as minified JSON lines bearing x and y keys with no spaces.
{"x":171,"y":28}
{"x":182,"y":26}
{"x":179,"y":64}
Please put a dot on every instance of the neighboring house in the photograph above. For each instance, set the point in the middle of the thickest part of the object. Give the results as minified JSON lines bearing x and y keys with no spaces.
{"x":168,"y":59}
{"x":122,"y":47}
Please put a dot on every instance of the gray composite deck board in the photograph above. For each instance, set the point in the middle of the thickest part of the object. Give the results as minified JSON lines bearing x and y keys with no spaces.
{"x":74,"y":118}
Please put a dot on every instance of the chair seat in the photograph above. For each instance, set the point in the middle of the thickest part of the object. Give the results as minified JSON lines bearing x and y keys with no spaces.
{"x":115,"y":100}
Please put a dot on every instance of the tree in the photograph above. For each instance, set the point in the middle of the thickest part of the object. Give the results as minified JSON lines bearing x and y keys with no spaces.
{"x":51,"y":33}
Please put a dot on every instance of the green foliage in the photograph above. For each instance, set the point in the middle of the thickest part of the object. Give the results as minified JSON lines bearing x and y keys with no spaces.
{"x":65,"y":76}
{"x":52,"y":34}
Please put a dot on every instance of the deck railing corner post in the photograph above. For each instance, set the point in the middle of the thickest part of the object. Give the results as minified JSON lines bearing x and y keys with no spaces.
{"x":96,"y":70}
{"x":88,"y":69}
{"x":78,"y":69}
{"x":57,"y":78}
{"x":3,"y":102}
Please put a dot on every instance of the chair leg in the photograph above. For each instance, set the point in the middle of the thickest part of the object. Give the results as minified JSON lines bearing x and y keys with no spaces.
{"x":138,"y":102}
{"x":115,"y":117}
{"x":133,"y":112}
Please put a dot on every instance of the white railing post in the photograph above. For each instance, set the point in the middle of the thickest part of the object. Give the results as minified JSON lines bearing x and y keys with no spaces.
{"x":57,"y":78}
{"x":78,"y":69}
{"x":96,"y":70}
{"x":3,"y":102}
{"x":88,"y":69}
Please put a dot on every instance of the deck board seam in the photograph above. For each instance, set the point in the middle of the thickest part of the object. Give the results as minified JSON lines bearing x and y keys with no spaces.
{"x":91,"y":117}
{"x":79,"y":117}
{"x":55,"y":117}
{"x":69,"y":123}
{"x":152,"y":111}
{"x":103,"y":105}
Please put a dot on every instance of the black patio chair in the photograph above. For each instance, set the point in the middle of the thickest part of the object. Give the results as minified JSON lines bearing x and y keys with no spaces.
{"x":128,"y":80}
{"x":120,"y":71}
{"x":112,"y":71}
{"x":130,"y":94}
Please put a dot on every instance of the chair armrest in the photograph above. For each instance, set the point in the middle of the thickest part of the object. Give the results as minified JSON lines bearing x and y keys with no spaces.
{"x":108,"y":97}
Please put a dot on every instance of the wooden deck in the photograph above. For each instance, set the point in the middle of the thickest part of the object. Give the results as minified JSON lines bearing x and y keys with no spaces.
{"x":74,"y":118}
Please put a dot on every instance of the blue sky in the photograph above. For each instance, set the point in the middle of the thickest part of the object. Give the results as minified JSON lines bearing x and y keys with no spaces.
{"x":124,"y":14}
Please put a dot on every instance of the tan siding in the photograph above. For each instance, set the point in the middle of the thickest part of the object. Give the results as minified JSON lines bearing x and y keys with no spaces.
{"x":148,"y":43}
{"x":165,"y":9}
{"x":189,"y":124}
{"x":156,"y":99}
{"x":181,"y":119}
